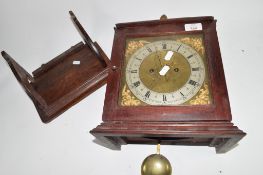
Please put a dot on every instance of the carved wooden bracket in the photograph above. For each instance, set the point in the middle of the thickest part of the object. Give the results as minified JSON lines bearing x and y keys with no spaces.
{"x":66,"y":79}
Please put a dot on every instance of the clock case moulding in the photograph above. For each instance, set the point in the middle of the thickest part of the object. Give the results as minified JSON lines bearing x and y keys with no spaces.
{"x":59,"y":84}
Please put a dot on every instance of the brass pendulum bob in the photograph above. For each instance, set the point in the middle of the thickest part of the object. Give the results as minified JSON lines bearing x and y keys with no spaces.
{"x":156,"y":164}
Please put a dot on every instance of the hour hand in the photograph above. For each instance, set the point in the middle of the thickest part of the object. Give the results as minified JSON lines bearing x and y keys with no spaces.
{"x":166,"y":68}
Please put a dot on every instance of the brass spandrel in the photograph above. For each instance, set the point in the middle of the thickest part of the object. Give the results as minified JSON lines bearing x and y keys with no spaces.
{"x":202,"y":98}
{"x":132,"y":46}
{"x":127,"y":99}
{"x":196,"y":43}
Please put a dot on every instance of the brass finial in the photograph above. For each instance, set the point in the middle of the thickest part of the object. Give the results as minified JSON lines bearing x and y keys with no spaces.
{"x":163,"y":17}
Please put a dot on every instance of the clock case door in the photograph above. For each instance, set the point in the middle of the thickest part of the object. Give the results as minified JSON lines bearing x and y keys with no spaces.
{"x":65,"y":80}
{"x":205,"y":125}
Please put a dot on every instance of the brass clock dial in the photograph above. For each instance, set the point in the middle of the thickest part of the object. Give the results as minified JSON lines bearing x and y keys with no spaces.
{"x":165,"y":72}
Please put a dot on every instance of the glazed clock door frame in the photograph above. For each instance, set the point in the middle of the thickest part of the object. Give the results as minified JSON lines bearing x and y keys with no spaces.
{"x":218,"y":110}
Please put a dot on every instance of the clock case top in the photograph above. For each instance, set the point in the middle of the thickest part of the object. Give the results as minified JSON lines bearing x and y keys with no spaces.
{"x":208,"y":125}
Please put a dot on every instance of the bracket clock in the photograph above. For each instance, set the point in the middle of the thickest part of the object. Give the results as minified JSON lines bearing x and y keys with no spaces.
{"x":165,"y":84}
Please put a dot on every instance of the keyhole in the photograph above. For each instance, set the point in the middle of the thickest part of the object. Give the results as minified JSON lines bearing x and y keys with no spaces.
{"x":176,"y":69}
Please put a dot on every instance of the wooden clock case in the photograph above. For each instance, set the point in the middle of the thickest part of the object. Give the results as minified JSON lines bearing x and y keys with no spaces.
{"x":205,"y":125}
{"x":60,"y":83}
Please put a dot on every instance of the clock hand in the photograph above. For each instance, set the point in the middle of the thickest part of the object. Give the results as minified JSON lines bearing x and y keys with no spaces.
{"x":163,"y":72}
{"x":168,"y":55}
{"x":159,"y":59}
{"x":160,"y":62}
{"x":166,"y":68}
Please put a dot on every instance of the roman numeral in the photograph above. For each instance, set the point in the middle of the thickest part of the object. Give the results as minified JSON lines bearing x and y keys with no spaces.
{"x":164,"y":98}
{"x":195,"y":69}
{"x":179,"y":47}
{"x":164,"y":46}
{"x":148,"y":93}
{"x":138,"y":59}
{"x":182,"y":94}
{"x":192,"y":82}
{"x":190,"y":56}
{"x":149,"y":49}
{"x":134,"y":71}
{"x":136,"y":84}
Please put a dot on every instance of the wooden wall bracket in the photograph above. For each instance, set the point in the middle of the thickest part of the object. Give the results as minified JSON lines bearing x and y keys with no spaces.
{"x":66,"y":79}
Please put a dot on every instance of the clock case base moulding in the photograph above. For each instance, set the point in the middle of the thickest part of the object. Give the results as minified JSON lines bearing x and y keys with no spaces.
{"x":221,"y":135}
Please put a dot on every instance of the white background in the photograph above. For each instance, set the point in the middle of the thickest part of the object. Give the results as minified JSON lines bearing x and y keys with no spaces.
{"x":34,"y":32}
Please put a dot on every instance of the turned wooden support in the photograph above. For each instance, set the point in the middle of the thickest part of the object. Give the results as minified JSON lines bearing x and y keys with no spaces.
{"x":84,"y":35}
{"x":24,"y":78}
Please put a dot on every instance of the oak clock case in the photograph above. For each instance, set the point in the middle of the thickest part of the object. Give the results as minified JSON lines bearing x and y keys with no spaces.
{"x":165,"y":85}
